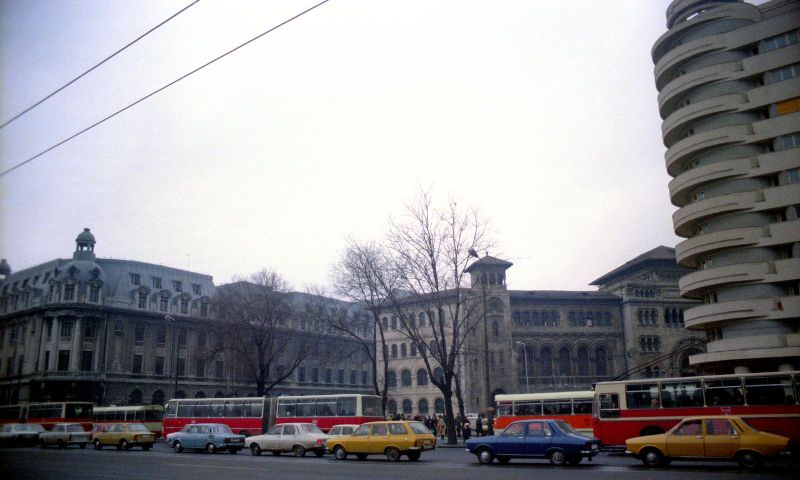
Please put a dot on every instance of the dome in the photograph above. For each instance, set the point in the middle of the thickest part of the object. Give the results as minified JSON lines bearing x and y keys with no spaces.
{"x":5,"y":268}
{"x":85,"y":237}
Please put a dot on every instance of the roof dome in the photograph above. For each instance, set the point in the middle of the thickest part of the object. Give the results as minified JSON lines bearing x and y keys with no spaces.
{"x":85,"y":237}
{"x":5,"y":268}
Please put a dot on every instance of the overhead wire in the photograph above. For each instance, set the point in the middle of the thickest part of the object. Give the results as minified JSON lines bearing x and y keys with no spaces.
{"x":96,"y":65}
{"x":5,"y":172}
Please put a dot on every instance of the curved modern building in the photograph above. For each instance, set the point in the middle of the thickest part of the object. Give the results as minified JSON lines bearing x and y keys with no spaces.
{"x":728,"y":77}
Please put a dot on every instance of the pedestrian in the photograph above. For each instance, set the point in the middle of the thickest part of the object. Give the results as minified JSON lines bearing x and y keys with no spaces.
{"x":467,"y":430}
{"x":459,"y":425}
{"x":441,"y":427}
{"x":479,"y":426}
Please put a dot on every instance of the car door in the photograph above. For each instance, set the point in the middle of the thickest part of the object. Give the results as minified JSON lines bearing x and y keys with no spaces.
{"x":722,"y":438}
{"x":271,"y":439}
{"x":511,"y":441}
{"x":686,"y":440}
{"x":357,"y":442}
{"x":288,"y":437}
{"x":379,"y":437}
{"x":537,"y":439}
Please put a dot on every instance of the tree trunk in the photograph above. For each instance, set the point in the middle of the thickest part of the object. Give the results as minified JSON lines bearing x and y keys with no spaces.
{"x":459,"y":398}
{"x":449,"y":421}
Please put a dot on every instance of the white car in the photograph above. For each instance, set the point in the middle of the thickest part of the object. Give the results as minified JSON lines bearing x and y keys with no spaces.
{"x":297,"y":438}
{"x":342,"y":430}
{"x":64,"y":435}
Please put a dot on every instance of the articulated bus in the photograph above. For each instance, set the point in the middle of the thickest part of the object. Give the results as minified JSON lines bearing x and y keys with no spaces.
{"x":149,"y":415}
{"x":573,"y":407}
{"x":48,"y":414}
{"x":254,"y":415}
{"x":632,"y":408}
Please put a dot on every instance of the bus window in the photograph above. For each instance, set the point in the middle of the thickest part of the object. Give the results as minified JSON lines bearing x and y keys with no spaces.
{"x":504,"y":409}
{"x":725,"y":392}
{"x":371,"y":407}
{"x":44,"y":411}
{"x":346,"y":407}
{"x":252,"y":408}
{"x":286,"y":408}
{"x":77,"y":410}
{"x":642,"y":395}
{"x":609,"y":405}
{"x":582,"y":407}
{"x":681,"y":394}
{"x":326,"y":407}
{"x":769,"y":390}
{"x":557,"y":407}
{"x":186,"y":410}
{"x":304,"y":407}
{"x":171,"y":410}
{"x":528,"y":408}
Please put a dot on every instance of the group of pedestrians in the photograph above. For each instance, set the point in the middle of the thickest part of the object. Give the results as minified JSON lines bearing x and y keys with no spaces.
{"x":438,"y":426}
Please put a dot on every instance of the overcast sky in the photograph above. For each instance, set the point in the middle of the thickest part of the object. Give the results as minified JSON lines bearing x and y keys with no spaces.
{"x":541,"y":114}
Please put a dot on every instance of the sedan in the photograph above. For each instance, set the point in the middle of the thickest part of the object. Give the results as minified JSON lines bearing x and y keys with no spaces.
{"x":392,"y":439}
{"x":297,"y":438}
{"x":555,"y":440}
{"x":20,"y":434}
{"x":124,"y":436}
{"x":723,"y":437}
{"x":64,"y":435}
{"x":210,"y":437}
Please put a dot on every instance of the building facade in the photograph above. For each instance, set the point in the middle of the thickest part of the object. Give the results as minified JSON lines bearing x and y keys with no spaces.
{"x":542,"y":340}
{"x":728,"y":76}
{"x":128,"y":332}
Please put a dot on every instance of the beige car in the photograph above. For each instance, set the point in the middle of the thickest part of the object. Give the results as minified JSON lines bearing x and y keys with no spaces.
{"x":341,"y":430}
{"x":297,"y":438}
{"x":123,"y":436}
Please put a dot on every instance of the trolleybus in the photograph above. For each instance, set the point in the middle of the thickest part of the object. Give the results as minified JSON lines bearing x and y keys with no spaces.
{"x":149,"y":415}
{"x":573,"y":407}
{"x":48,"y":414}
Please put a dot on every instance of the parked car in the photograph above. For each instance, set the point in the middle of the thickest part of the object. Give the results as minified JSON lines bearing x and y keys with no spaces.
{"x":392,"y":439}
{"x":555,"y":440}
{"x":210,"y":437}
{"x":64,"y":435}
{"x":712,"y":437}
{"x":297,"y":438}
{"x":123,"y":436}
{"x":20,"y":434}
{"x":341,"y":430}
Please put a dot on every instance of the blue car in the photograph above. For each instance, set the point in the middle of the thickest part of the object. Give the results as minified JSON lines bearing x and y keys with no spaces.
{"x":211,"y":437}
{"x":555,"y":440}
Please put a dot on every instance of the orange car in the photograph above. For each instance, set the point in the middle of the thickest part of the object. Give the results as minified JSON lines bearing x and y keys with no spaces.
{"x":711,"y":437}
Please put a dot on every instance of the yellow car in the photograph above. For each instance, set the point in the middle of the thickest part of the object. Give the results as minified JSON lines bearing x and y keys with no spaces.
{"x":392,"y":439}
{"x":712,"y":437}
{"x":123,"y":436}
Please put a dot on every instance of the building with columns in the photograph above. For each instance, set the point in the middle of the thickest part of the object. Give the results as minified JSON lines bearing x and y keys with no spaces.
{"x":128,"y":332}
{"x":728,"y":77}
{"x":545,"y":340}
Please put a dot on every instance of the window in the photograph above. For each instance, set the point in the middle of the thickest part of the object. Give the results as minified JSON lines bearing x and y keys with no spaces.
{"x":66,"y":328}
{"x":720,"y":426}
{"x":391,"y":379}
{"x":204,"y":309}
{"x":352,"y":377}
{"x":136,"y":279}
{"x":157,"y":282}
{"x":769,"y":390}
{"x":689,"y":427}
{"x":200,"y":368}
{"x":218,"y":369}
{"x":780,"y":41}
{"x":405,"y":378}
{"x":142,"y":299}
{"x":394,"y":322}
{"x":328,"y":375}
{"x":407,"y":406}
{"x":422,"y":406}
{"x":139,"y":334}
{"x":201,"y":339}
{"x":161,"y":336}
{"x":89,"y":330}
{"x":546,"y":356}
{"x":301,"y":374}
{"x":184,"y":305}
{"x":47,"y":360}
{"x":403,"y":350}
{"x":601,"y":364}
{"x":422,"y":377}
{"x":394,"y":350}
{"x":398,"y":428}
{"x":177,"y":286}
{"x":182,"y":337}
{"x":681,"y":394}
{"x":159,"y":365}
{"x":340,"y":376}
{"x":63,"y":360}
{"x":69,"y":292}
{"x":94,"y":293}
{"x":514,"y":430}
{"x":163,"y":303}
{"x":86,"y":360}
{"x":364,"y":377}
{"x":196,"y":288}
{"x":48,"y":325}
{"x":137,"y":363}
{"x":642,"y":395}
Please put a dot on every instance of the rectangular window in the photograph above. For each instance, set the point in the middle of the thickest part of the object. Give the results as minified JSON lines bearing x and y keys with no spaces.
{"x":89,"y":330}
{"x":340,"y":376}
{"x":182,"y":337}
{"x":161,"y":336}
{"x":137,"y":363}
{"x":142,"y":300}
{"x":177,"y":286}
{"x":136,"y":279}
{"x":157,"y":282}
{"x":609,"y":405}
{"x":315,"y":375}
{"x":66,"y":329}
{"x":20,"y":364}
{"x":196,"y":288}
{"x":63,"y":360}
{"x":201,"y":339}
{"x":69,"y":292}
{"x":301,"y":374}
{"x":203,"y":309}
{"x":219,"y":369}
{"x":364,"y":377}
{"x":163,"y":303}
{"x":642,"y":395}
{"x":181,"y":367}
{"x":139,"y":334}
{"x":682,"y":394}
{"x":200,"y":369}
{"x":184,"y":306}
{"x":328,"y":375}
{"x":94,"y":294}
{"x":352,"y":377}
{"x":87,"y":357}
{"x":47,"y":360}
{"x":159,"y":367}
{"x":769,"y":390}
{"x":48,"y":325}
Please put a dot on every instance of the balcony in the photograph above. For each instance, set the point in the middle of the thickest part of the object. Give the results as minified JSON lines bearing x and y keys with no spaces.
{"x":694,"y":284}
{"x":678,"y":153}
{"x":781,"y":308}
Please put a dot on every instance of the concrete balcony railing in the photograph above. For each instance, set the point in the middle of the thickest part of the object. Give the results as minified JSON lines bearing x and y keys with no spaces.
{"x":667,"y":65}
{"x":776,"y":234}
{"x":681,"y":150}
{"x":684,"y":219}
{"x":699,"y":317}
{"x":673,"y":126}
{"x":675,"y":89}
{"x":694,"y":284}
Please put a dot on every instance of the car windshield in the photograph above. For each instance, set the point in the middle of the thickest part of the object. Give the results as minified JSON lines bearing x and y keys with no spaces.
{"x":137,"y":427}
{"x":566,"y":427}
{"x":310,"y":428}
{"x":417,"y":427}
{"x":75,"y":428}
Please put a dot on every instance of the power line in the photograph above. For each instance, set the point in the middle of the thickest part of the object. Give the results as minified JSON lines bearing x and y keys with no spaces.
{"x":102,"y":62}
{"x":5,"y":172}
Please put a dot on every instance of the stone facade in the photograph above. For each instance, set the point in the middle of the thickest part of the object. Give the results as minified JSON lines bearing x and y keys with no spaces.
{"x":128,"y":332}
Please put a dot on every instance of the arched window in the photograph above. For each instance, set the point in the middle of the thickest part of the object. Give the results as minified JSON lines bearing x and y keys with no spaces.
{"x":407,"y":406}
{"x":601,"y":363}
{"x":405,"y":378}
{"x":413,"y":349}
{"x":422,"y":377}
{"x":391,"y":378}
{"x":438,"y":406}
{"x":394,"y":322}
{"x":438,"y":374}
{"x":495,"y":328}
{"x":391,"y":406}
{"x":180,"y":394}
{"x":564,"y":362}
{"x":385,"y":323}
{"x":135,"y":398}
{"x":432,"y":346}
{"x":421,"y":319}
{"x":403,"y":350}
{"x":394,"y":350}
{"x":423,"y":406}
{"x":158,"y":398}
{"x":200,"y":394}
{"x":547,"y":362}
{"x":219,"y":395}
{"x":583,"y":361}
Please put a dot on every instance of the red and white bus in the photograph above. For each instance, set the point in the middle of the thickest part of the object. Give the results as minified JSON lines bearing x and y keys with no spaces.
{"x":573,"y":407}
{"x":632,"y":408}
{"x":151,"y":416}
{"x":254,"y":415}
{"x":48,"y":414}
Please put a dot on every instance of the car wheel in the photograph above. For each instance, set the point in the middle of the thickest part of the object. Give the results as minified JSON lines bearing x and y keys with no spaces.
{"x":361,"y":456}
{"x":503,"y":460}
{"x":339,"y":453}
{"x":299,"y":451}
{"x":558,"y":457}
{"x":61,"y":444}
{"x":178,"y":447}
{"x":392,"y":454}
{"x":574,"y":460}
{"x":414,"y":456}
{"x":211,"y":448}
{"x":319,"y":453}
{"x":485,"y":456}
{"x":652,"y":458}
{"x":123,"y":444}
{"x":749,"y":459}
{"x":255,"y":449}
{"x":98,"y":445}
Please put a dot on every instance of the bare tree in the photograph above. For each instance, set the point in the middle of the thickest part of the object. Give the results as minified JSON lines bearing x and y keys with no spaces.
{"x":264,"y":329}
{"x":431,"y":250}
{"x":363,"y":275}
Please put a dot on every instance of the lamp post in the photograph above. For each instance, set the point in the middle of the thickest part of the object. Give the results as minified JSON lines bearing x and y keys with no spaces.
{"x":172,"y":321}
{"x":525,"y":356}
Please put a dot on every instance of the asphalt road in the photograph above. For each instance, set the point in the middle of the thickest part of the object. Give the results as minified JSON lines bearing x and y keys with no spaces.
{"x":161,"y":463}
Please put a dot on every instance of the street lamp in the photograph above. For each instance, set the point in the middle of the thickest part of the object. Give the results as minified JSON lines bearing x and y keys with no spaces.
{"x":525,"y":356}
{"x":172,"y":321}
